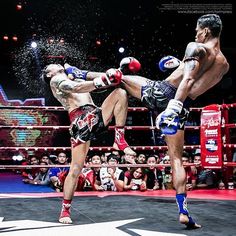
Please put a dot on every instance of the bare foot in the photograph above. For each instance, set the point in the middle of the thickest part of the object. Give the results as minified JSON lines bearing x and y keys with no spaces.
{"x":65,"y":216}
{"x":65,"y":220}
{"x":127,"y":150}
{"x":184,"y":219}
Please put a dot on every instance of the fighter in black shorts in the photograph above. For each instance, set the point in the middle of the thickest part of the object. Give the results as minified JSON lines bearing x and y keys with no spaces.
{"x":155,"y":95}
{"x":203,"y":66}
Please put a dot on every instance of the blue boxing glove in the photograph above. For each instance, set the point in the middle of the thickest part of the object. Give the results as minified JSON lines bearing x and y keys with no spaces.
{"x":168,"y":120}
{"x":75,"y":73}
{"x":168,"y":62}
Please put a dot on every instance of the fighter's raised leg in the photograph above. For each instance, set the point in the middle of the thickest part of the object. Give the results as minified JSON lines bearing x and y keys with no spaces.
{"x":116,"y":104}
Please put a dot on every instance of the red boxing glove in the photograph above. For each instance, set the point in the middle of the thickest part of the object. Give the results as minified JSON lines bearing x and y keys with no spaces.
{"x":130,"y":64}
{"x":111,"y":78}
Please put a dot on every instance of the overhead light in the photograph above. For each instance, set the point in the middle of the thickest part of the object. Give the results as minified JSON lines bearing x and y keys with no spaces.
{"x":98,"y":42}
{"x":33,"y":44}
{"x":5,"y":37}
{"x":121,"y":50}
{"x":15,"y":38}
{"x":18,"y":7}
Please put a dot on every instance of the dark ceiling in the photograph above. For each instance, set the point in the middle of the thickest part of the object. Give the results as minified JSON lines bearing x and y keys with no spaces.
{"x":147,"y":29}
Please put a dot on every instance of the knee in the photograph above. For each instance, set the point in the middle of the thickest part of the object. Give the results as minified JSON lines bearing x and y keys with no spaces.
{"x":75,"y":171}
{"x":121,"y":93}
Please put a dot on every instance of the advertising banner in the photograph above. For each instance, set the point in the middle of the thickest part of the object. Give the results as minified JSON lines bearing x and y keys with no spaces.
{"x":211,"y":142}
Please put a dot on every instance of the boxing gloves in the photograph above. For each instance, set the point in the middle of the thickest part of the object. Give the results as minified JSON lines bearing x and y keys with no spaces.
{"x":129,"y":64}
{"x":75,"y":73}
{"x":112,"y":77}
{"x":168,"y":62}
{"x":168,"y":120}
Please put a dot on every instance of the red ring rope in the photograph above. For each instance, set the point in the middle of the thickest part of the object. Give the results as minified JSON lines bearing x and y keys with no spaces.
{"x":232,"y":164}
{"x":138,"y":109}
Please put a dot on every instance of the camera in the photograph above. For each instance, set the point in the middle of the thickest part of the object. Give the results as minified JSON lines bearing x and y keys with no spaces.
{"x":137,"y":181}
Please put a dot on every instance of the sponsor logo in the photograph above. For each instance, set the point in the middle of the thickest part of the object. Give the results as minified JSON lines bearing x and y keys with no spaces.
{"x":213,"y":122}
{"x":211,"y":132}
{"x":211,"y":145}
{"x":212,"y":160}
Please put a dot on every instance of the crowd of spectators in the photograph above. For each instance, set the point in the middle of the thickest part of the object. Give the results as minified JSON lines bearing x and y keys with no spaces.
{"x":114,"y":178}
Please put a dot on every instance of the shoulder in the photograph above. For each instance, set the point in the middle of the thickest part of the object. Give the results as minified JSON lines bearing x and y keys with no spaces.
{"x":58,"y":79}
{"x":196,"y":46}
{"x":197,"y":50}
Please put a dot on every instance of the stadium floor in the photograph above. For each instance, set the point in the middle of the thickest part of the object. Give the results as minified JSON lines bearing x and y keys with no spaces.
{"x":135,"y":213}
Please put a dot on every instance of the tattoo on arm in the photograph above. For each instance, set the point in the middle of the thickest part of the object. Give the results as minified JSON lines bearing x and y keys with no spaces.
{"x":66,"y":87}
{"x":63,"y":84}
{"x":194,"y":51}
{"x":190,"y":65}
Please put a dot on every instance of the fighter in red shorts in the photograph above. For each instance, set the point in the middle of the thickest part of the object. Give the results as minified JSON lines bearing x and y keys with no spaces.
{"x":87,"y":120}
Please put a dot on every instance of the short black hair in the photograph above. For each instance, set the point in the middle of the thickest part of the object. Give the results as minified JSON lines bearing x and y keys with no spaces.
{"x":211,"y":21}
{"x":186,"y":154}
{"x":112,"y":156}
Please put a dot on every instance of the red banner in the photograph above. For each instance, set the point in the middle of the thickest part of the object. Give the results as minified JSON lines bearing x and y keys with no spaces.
{"x":211,"y":142}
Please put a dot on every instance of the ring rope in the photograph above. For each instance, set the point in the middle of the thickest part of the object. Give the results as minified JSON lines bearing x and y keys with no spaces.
{"x":60,"y":108}
{"x":196,"y":127}
{"x":232,"y":164}
{"x":87,"y":166}
{"x":67,"y":127}
{"x":105,"y":148}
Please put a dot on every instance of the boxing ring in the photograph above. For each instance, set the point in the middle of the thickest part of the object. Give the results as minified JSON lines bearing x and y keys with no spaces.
{"x":119,"y":213}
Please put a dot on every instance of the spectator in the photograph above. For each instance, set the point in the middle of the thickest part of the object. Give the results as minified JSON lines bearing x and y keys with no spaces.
{"x":117,"y":153}
{"x":190,"y":174}
{"x":141,"y":159}
{"x":205,"y":177}
{"x":45,"y":158}
{"x":128,"y":159}
{"x":57,"y":175}
{"x":221,"y":185}
{"x":154,"y":174}
{"x":135,"y":179}
{"x":111,"y":178}
{"x":104,"y":157}
{"x":30,"y":173}
{"x":88,"y":176}
{"x":42,"y":177}
{"x":167,"y":174}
